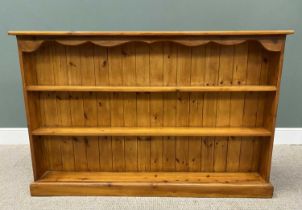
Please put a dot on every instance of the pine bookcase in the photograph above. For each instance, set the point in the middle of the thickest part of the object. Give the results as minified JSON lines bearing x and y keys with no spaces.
{"x":151,"y":113}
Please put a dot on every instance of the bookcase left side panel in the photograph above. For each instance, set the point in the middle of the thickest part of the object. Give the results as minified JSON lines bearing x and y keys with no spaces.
{"x":26,"y":61}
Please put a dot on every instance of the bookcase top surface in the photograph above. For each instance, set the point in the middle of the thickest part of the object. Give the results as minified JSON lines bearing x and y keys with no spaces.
{"x":151,"y":33}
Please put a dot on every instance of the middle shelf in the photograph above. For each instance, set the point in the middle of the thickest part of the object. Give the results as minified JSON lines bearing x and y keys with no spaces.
{"x":150,"y":131}
{"x":79,"y":88}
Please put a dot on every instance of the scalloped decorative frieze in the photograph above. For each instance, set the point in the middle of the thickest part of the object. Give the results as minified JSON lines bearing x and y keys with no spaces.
{"x":274,"y":44}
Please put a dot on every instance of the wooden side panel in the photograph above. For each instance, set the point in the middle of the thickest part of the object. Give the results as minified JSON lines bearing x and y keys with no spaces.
{"x":29,"y":76}
{"x":28,"y":64}
{"x":156,"y":104}
{"x":142,"y":63}
{"x":169,"y":105}
{"x":262,"y":101}
{"x":275,"y":64}
{"x":32,"y":104}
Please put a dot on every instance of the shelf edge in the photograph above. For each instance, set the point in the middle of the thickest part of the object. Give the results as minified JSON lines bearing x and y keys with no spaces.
{"x":163,"y":131}
{"x":249,"y":88}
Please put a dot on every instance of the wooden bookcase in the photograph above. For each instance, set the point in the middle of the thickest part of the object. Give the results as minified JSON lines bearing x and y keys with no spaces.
{"x":151,"y":113}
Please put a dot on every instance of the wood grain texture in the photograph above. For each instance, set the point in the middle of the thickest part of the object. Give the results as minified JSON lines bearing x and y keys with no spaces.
{"x":77,"y":107}
{"x":117,"y":107}
{"x":196,"y":106}
{"x":210,"y":106}
{"x":264,"y":190}
{"x":153,"y":184}
{"x":275,"y":66}
{"x":157,"y":89}
{"x":183,"y":77}
{"x":150,"y":131}
{"x":142,"y":63}
{"x":156,"y":104}
{"x":147,"y":33}
{"x":250,"y":106}
{"x":237,"y":105}
{"x":31,"y":103}
{"x":169,"y":105}
{"x":63,"y":105}
{"x":133,"y":113}
{"x":225,"y":76}
{"x":29,"y":41}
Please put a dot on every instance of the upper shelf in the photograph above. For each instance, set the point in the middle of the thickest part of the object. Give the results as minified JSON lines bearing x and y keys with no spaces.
{"x":243,"y":88}
{"x":150,"y":33}
{"x":150,"y":131}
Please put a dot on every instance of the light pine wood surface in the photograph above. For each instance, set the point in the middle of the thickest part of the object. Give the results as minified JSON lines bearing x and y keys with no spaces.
{"x":142,"y":33}
{"x":151,"y":113}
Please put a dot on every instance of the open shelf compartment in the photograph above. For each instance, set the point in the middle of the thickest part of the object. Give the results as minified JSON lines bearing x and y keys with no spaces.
{"x":192,"y":184}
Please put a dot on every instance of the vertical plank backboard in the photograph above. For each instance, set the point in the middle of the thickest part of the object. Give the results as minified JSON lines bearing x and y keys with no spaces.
{"x":90,"y":106}
{"x":76,"y":106}
{"x":48,"y":106}
{"x":129,"y":76}
{"x":169,"y":105}
{"x":117,"y":106}
{"x":184,"y":56}
{"x":101,"y":65}
{"x":225,"y":77}
{"x":237,"y":105}
{"x":156,"y":104}
{"x":63,"y":105}
{"x":209,"y":106}
{"x":196,"y":106}
{"x":250,"y":105}
{"x":142,"y":63}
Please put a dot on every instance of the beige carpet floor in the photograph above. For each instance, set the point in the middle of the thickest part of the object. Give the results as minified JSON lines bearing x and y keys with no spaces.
{"x":15,"y":175}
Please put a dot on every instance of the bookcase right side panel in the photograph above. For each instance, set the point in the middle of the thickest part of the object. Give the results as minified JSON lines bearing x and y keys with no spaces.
{"x":275,"y":64}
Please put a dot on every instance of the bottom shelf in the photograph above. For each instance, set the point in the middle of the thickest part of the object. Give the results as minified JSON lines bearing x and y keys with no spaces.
{"x":190,"y":184}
